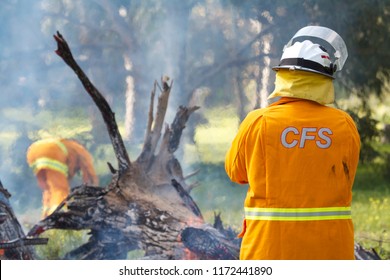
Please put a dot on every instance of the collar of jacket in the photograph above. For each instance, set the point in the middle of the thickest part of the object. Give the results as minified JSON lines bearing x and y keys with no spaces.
{"x":302,"y":84}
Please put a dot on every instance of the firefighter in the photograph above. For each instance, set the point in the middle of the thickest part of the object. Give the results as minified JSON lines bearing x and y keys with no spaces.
{"x":54,"y":163}
{"x":299,"y":158}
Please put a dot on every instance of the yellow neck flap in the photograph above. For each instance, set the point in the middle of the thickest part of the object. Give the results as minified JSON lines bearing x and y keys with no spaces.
{"x":303,"y":84}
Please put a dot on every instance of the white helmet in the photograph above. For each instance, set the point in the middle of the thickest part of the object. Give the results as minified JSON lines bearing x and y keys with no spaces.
{"x":315,"y":49}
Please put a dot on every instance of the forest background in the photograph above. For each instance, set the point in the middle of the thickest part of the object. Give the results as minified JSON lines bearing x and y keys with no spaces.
{"x":219,"y":53}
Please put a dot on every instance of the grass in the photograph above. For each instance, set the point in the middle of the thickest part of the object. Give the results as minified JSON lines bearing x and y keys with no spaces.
{"x":60,"y":243}
{"x":371,"y":210}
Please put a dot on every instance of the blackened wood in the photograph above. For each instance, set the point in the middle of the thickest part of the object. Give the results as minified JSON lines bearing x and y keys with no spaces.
{"x":13,"y":241}
{"x":208,"y":244}
{"x":20,"y":242}
{"x":187,"y":199}
{"x":178,"y":125}
{"x":364,"y":254}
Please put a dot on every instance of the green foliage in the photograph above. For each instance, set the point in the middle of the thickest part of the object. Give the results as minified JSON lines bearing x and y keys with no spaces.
{"x":60,"y":243}
{"x":213,"y":137}
{"x":217,"y":194}
{"x":386,"y":166}
{"x":367,"y":127}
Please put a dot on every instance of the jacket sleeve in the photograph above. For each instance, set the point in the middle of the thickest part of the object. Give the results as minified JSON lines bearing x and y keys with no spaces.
{"x":235,"y":159}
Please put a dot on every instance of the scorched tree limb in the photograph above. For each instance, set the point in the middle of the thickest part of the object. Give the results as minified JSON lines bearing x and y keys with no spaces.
{"x":65,"y":53}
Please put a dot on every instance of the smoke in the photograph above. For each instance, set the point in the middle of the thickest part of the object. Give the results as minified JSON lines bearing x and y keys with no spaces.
{"x":20,"y":78}
{"x":123,"y":47}
{"x":264,"y":92}
{"x":41,"y":97}
{"x":130,"y":100}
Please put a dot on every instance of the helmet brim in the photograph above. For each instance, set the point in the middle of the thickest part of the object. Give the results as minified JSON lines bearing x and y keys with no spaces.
{"x":300,"y":68}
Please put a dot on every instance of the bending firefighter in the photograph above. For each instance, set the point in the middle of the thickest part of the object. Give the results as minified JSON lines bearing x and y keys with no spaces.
{"x":55,"y":162}
{"x":299,"y":158}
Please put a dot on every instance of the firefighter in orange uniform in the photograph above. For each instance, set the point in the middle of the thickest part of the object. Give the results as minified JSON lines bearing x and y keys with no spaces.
{"x":55,"y":162}
{"x":299,"y":158}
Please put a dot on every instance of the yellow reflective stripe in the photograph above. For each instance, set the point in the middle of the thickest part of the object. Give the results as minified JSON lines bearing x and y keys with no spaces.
{"x":52,"y":164}
{"x":284,"y":210}
{"x":298,"y":214}
{"x":62,"y":147}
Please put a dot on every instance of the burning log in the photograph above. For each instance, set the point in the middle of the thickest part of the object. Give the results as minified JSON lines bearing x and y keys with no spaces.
{"x":14,"y":244}
{"x":147,"y":205}
{"x":208,"y":244}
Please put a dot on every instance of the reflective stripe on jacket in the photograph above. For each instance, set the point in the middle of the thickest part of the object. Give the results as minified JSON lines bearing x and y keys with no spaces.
{"x":298,"y":214}
{"x":48,"y":154}
{"x":47,"y":163}
{"x":299,"y":159}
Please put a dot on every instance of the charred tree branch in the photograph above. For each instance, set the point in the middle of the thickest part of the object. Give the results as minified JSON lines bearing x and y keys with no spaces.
{"x":178,"y":125}
{"x":162,"y":106}
{"x":187,"y":199}
{"x":65,"y":53}
{"x":155,"y":124}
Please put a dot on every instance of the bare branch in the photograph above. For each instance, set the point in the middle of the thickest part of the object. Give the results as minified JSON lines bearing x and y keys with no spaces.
{"x":65,"y":53}
{"x":191,"y":174}
{"x":178,"y":125}
{"x":150,"y":115}
{"x":153,"y":133}
{"x":162,"y":106}
{"x":187,"y":199}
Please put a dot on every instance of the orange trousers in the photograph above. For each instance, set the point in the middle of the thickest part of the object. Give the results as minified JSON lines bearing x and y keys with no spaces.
{"x":55,"y":188}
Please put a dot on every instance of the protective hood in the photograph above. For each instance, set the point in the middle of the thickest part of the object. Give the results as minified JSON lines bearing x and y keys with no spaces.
{"x":302,"y":84}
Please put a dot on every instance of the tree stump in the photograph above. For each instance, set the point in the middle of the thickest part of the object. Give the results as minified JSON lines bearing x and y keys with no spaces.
{"x":147,"y":205}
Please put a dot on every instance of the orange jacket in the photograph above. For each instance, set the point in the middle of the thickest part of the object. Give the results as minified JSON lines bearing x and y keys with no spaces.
{"x":62,"y":155}
{"x":299,"y":158}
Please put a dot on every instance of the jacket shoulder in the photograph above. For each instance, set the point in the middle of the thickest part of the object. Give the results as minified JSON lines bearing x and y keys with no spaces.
{"x":253,"y":116}
{"x":343,"y":114}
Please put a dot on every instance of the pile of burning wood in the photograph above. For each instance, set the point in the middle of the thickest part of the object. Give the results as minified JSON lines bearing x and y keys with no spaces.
{"x":146,"y":206}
